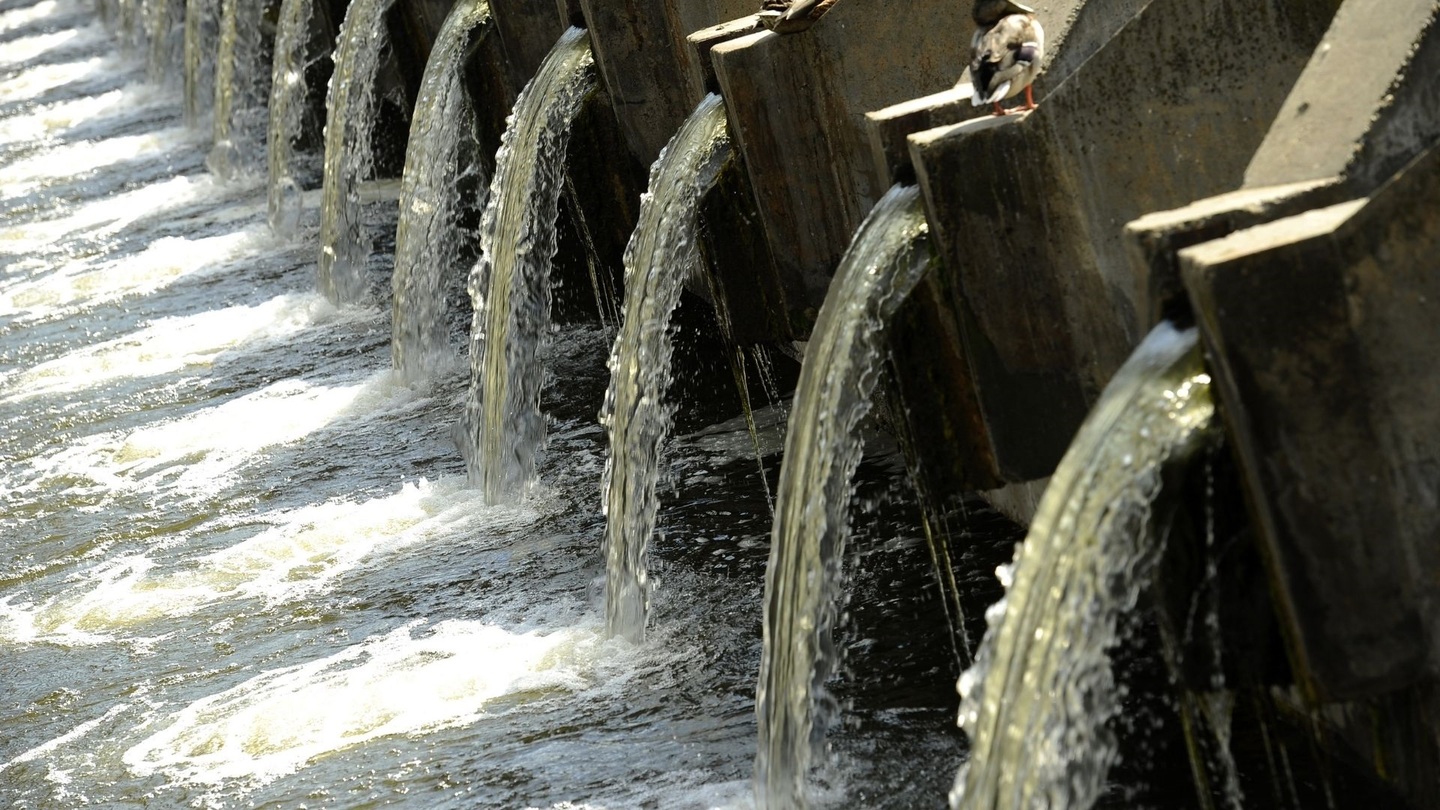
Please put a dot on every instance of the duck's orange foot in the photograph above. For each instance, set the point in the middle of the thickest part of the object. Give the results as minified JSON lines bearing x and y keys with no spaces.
{"x":1000,"y":110}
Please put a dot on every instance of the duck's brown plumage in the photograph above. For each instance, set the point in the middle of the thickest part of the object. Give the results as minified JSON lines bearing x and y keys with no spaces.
{"x":1005,"y":56}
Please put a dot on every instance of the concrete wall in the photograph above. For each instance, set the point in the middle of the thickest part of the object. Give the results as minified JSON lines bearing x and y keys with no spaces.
{"x":1027,"y":210}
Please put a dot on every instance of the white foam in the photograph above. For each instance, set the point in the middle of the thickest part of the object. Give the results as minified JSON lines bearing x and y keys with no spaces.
{"x":106,"y":217}
{"x":302,"y":552}
{"x":162,"y":263}
{"x":203,"y":451}
{"x":73,"y":160}
{"x":39,"y":80}
{"x":54,"y":119}
{"x":406,"y":682}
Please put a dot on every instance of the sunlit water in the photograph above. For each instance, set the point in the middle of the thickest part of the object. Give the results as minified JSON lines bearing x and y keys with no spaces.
{"x":241,"y":563}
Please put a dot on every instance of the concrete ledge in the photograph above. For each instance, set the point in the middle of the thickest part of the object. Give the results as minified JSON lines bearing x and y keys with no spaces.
{"x":1155,"y":239}
{"x":641,"y":48}
{"x":797,"y":107}
{"x":1321,"y":330}
{"x":1028,"y":210}
{"x":1367,"y":103}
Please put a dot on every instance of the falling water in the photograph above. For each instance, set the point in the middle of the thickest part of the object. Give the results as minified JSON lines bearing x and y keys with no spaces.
{"x":510,"y":285}
{"x":163,"y":24}
{"x":822,"y":450}
{"x":350,"y":118}
{"x":202,"y":30}
{"x":288,"y":92}
{"x":240,"y":93}
{"x":429,"y":241}
{"x":661,"y":256}
{"x":1036,"y":703}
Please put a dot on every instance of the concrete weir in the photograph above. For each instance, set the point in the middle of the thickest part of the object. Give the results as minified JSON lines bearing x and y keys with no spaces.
{"x":1265,"y":169}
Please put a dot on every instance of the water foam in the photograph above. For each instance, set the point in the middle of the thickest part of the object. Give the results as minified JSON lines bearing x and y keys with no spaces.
{"x":162,"y":263}
{"x":402,"y":683}
{"x":301,"y":552}
{"x":202,"y":452}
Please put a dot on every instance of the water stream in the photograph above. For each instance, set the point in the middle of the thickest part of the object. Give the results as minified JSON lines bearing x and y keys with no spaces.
{"x":242,"y":77}
{"x":440,"y":167}
{"x":510,"y":285}
{"x":823,"y":447}
{"x":1037,"y":701}
{"x":351,"y":108}
{"x":202,"y":34}
{"x":662,"y":255}
{"x":288,"y":96}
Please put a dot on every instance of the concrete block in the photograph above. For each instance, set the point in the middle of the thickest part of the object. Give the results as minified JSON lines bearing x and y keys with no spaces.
{"x":528,"y":30}
{"x":1321,"y":330}
{"x":1074,"y":30}
{"x":644,"y":58}
{"x":1027,"y":210}
{"x":700,"y":67}
{"x":1155,"y":240}
{"x":797,"y":104}
{"x":1367,"y":103}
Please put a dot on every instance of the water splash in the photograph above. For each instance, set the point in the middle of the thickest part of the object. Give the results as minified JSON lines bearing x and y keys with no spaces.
{"x":241,"y":71}
{"x":349,"y":161}
{"x":1038,"y":698}
{"x":288,"y":93}
{"x":429,"y":241}
{"x":202,"y":33}
{"x":661,"y":256}
{"x":510,"y":285}
{"x":888,"y":256}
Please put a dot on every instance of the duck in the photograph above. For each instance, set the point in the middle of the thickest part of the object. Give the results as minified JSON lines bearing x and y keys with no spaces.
{"x":1005,"y":53}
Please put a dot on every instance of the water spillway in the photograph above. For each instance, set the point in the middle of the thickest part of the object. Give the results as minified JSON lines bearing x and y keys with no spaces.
{"x":430,"y":242}
{"x":242,"y":75}
{"x":822,"y":450}
{"x":510,"y":285}
{"x":350,"y":121}
{"x":1037,"y":702}
{"x":662,"y":255}
{"x":202,"y":30}
{"x":288,"y":91}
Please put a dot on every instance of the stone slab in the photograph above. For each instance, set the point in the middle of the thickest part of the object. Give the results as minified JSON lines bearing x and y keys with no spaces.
{"x":641,"y":48}
{"x":1154,"y":240}
{"x":796,"y":104}
{"x":1074,"y":30}
{"x":1322,"y":329}
{"x":1367,"y":103}
{"x":700,"y":68}
{"x":1028,"y":209}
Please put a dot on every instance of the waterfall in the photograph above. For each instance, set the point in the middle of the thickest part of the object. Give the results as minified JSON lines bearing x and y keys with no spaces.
{"x":240,"y":96}
{"x":661,"y":255}
{"x":429,"y":241}
{"x":288,"y":92}
{"x":822,"y":450}
{"x":202,"y":29}
{"x":510,"y":285}
{"x":350,"y":118}
{"x":162,"y":24}
{"x":1036,"y":702}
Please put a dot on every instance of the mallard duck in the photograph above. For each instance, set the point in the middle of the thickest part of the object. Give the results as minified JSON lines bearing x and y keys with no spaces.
{"x":1005,"y":52}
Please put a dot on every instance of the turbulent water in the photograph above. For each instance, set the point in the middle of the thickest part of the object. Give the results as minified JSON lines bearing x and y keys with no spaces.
{"x":440,"y":167}
{"x":288,"y":92}
{"x":1037,"y":701}
{"x":662,"y":255}
{"x":351,"y":108}
{"x":510,"y":285}
{"x":822,"y":450}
